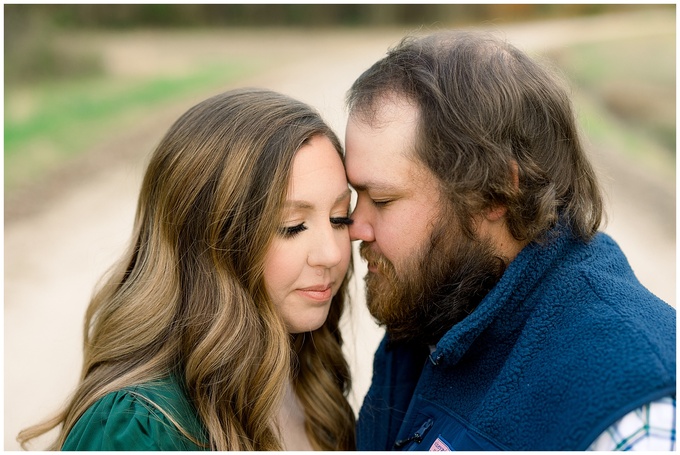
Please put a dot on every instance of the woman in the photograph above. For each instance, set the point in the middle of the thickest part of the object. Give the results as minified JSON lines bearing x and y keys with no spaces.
{"x":218,"y":329}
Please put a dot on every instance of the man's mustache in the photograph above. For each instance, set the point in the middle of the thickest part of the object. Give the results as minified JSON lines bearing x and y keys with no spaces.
{"x":381,"y":262}
{"x":367,"y":253}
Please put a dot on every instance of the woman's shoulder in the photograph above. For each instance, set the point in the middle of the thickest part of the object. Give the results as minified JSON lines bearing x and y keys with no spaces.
{"x":142,"y":417}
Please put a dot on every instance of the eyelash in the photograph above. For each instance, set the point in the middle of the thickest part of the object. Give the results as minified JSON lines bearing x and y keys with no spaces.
{"x":341,"y":222}
{"x":380,"y":204}
{"x":292,"y":231}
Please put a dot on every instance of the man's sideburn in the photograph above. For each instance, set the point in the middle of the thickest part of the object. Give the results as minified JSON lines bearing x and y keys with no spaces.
{"x":437,"y":287}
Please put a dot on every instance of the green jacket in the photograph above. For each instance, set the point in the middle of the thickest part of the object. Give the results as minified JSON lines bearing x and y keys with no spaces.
{"x":129,"y":420}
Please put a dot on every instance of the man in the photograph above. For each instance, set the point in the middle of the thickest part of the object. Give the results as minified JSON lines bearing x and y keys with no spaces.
{"x":511,"y":322}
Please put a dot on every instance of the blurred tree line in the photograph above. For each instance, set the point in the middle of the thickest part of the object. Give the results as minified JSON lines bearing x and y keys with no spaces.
{"x":32,"y":54}
{"x":184,"y":15}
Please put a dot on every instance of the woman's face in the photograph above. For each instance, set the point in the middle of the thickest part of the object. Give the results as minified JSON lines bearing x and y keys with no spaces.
{"x":307,"y":261}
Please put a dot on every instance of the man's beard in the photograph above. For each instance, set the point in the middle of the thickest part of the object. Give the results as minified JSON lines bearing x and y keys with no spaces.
{"x":437,"y":288}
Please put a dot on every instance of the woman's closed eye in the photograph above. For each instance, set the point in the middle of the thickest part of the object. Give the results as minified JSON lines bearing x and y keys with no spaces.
{"x":337,"y":222}
{"x":341,"y":222}
{"x":292,"y":231}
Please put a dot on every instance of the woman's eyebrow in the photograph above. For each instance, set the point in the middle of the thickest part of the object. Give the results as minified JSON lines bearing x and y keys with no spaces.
{"x":306,"y":205}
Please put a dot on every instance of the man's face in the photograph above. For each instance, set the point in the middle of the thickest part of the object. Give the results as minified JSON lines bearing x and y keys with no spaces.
{"x":398,"y":199}
{"x":424,"y":275}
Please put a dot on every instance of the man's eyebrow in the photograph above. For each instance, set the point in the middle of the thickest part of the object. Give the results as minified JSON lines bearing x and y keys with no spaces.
{"x":305,"y":205}
{"x":374,"y":186}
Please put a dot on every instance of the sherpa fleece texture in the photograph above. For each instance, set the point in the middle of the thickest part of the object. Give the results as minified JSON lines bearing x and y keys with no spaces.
{"x":567,"y":343}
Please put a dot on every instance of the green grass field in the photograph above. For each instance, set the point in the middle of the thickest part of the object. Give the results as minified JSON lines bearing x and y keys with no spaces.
{"x":624,"y":93}
{"x":50,"y":122}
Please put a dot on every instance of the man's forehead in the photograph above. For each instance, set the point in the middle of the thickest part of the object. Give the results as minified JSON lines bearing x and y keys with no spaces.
{"x":386,"y":109}
{"x":380,"y":145}
{"x":392,"y":130}
{"x":387,"y":176}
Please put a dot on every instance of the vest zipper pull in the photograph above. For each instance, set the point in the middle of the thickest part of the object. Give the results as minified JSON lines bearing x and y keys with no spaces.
{"x":417,"y":436}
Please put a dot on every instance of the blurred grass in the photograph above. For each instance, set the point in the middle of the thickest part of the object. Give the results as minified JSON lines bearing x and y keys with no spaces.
{"x":74,"y":106}
{"x":47,"y":123}
{"x":626,"y":95}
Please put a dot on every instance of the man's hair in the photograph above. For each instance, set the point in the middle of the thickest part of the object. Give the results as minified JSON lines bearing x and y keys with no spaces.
{"x":486,"y":110}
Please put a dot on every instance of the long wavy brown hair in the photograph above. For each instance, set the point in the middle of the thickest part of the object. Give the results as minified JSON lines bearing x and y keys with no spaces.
{"x":188,"y":296}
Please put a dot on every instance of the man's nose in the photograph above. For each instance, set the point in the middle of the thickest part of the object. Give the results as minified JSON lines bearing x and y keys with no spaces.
{"x":362,"y":226}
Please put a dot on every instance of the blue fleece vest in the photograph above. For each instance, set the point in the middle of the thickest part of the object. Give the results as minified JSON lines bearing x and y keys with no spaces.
{"x":566,"y":344}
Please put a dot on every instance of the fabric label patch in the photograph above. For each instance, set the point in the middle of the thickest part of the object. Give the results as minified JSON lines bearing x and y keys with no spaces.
{"x":440,"y":445}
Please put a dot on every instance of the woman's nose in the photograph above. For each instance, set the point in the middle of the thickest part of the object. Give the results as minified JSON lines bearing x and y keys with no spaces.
{"x":328,"y":247}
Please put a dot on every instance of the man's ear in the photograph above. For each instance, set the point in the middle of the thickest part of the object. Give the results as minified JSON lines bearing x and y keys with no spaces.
{"x":497,"y":212}
{"x":514,"y":174}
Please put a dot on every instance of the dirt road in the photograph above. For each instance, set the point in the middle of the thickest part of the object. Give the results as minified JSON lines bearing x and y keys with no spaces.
{"x":54,"y":258}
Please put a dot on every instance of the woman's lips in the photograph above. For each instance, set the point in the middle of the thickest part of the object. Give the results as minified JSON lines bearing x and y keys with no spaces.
{"x":318,"y":293}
